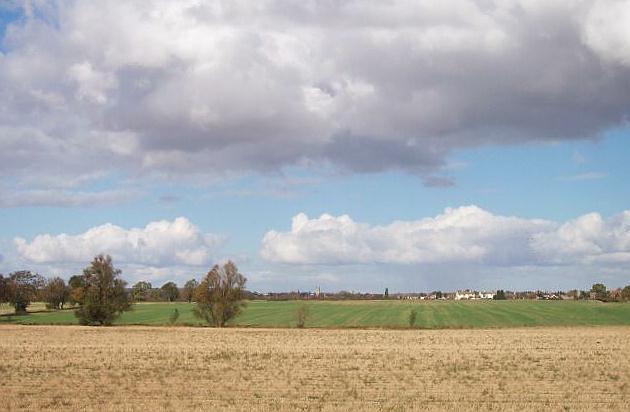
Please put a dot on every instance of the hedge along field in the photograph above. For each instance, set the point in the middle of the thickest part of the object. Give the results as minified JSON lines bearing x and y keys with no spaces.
{"x":374,"y":314}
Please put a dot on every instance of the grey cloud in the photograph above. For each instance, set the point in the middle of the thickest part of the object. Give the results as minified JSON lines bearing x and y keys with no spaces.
{"x":103,"y":87}
{"x":65,"y":198}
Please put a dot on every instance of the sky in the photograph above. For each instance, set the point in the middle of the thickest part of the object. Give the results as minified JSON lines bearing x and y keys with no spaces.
{"x":351,"y":145}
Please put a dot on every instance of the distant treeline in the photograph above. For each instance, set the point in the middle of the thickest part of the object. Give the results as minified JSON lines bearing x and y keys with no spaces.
{"x":22,"y":287}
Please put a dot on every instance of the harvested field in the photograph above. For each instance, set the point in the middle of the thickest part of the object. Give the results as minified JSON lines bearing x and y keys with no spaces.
{"x":125,"y":368}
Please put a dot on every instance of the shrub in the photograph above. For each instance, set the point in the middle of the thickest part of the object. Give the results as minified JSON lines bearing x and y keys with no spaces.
{"x":301,"y":315}
{"x":174,"y":317}
{"x":413,"y":315}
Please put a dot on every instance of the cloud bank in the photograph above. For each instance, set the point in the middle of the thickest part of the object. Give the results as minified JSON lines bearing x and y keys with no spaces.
{"x":158,"y":244}
{"x":466,"y":234}
{"x":155,"y":87}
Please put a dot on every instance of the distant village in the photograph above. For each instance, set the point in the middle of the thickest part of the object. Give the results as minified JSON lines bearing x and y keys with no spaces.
{"x":597,"y":292}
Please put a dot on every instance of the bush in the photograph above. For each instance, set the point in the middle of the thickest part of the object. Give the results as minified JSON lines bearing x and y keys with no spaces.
{"x":174,"y":317}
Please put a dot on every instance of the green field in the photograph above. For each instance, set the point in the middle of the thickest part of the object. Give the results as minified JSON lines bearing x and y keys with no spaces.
{"x":379,"y":314}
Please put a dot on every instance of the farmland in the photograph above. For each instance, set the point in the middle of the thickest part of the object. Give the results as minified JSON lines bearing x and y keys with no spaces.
{"x":376,"y":314}
{"x":71,"y":367}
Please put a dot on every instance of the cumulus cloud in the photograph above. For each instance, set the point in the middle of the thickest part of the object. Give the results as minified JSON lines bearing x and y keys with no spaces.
{"x":466,"y":234}
{"x":158,"y":244}
{"x":589,"y":239}
{"x":162,"y":87}
{"x":463,"y":234}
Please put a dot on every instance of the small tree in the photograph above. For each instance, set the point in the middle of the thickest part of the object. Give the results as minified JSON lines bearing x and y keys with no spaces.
{"x":104,"y":296}
{"x":219,"y":295}
{"x":140,"y":292}
{"x":189,"y":289}
{"x":55,"y":293}
{"x":302,"y":314}
{"x":169,"y":291}
{"x":413,"y":315}
{"x":625,"y":294}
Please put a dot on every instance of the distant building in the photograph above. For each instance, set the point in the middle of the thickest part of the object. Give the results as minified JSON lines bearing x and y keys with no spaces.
{"x":464,"y":295}
{"x":468,"y":294}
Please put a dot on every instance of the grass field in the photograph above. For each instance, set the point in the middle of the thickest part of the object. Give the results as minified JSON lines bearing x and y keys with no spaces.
{"x":142,"y":368}
{"x":379,"y":314}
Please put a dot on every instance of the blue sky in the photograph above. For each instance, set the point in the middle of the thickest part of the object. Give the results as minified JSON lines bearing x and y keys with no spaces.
{"x":240,"y":133}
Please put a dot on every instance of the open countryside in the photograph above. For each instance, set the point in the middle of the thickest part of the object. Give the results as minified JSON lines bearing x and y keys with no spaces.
{"x":368,"y":314}
{"x":141,"y":368}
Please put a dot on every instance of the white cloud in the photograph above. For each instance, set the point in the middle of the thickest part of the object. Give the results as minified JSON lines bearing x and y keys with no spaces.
{"x":587,"y":239}
{"x":463,"y":235}
{"x":160,"y":243}
{"x":190,"y":87}
{"x":607,"y":30}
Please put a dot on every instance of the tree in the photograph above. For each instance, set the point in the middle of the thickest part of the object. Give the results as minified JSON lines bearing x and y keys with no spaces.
{"x":219,"y":295}
{"x":599,"y":289}
{"x":386,"y":293}
{"x":169,"y":291}
{"x":104,"y":296}
{"x":22,"y":288}
{"x":625,"y":294}
{"x":4,"y":282}
{"x":140,"y":291}
{"x":76,"y":285}
{"x":500,"y":295}
{"x":189,"y":289}
{"x":55,"y":293}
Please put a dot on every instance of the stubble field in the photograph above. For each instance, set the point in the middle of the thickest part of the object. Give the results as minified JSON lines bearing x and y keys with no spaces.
{"x":144,"y":368}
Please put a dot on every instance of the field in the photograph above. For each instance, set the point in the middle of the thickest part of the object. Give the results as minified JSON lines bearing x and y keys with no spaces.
{"x":143,"y":368}
{"x":377,"y":314}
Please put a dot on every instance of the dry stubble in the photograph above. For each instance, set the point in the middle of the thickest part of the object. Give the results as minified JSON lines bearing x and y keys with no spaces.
{"x":52,"y":367}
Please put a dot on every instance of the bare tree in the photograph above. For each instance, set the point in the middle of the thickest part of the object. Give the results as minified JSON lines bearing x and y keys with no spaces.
{"x":219,"y":295}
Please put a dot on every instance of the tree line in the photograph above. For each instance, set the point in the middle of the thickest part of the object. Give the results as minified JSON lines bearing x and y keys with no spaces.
{"x":100,"y":295}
